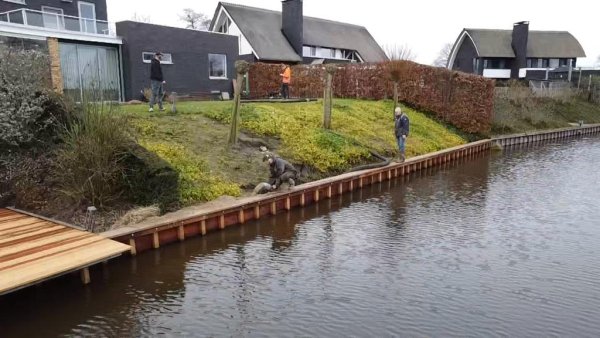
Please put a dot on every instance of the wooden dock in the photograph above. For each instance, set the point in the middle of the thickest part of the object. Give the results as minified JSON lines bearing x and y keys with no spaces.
{"x":33,"y":250}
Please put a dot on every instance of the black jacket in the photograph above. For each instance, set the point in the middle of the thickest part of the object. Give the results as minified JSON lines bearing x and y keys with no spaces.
{"x":156,"y":71}
{"x":402,"y":126}
{"x":280,"y":166}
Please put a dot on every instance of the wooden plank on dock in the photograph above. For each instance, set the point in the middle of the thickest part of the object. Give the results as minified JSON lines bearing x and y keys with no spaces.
{"x":34,"y":250}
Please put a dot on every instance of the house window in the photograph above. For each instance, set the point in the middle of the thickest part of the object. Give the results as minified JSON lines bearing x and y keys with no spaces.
{"x":224,"y":28}
{"x":532,"y":63}
{"x":554,"y":63}
{"x":494,"y":64}
{"x":217,"y":66}
{"x":53,"y":17}
{"x":167,"y":58}
{"x":545,"y":63}
{"x":87,"y":17}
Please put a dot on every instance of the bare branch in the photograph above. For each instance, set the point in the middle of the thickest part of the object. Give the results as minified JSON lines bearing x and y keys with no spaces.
{"x":444,"y":56}
{"x":195,"y":20}
{"x":141,"y":18}
{"x":399,"y":52}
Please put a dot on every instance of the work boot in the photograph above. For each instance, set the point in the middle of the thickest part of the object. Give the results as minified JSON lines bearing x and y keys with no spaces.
{"x":402,"y":159}
{"x":151,"y":110}
{"x":292,"y":183}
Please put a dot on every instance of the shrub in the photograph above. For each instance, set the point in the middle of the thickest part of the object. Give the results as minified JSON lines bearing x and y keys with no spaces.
{"x":29,"y":111}
{"x":88,"y":165}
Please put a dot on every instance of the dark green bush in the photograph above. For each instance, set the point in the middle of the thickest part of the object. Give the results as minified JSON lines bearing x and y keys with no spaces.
{"x":150,"y":180}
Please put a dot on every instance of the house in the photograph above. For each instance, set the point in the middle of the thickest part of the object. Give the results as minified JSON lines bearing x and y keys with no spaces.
{"x":194,"y":62}
{"x":290,"y":37}
{"x":84,"y":50}
{"x":513,"y":54}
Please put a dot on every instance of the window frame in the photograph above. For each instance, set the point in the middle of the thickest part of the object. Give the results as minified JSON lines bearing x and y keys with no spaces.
{"x":20,"y":2}
{"x":224,"y":77}
{"x":61,"y":16}
{"x":163,"y":62}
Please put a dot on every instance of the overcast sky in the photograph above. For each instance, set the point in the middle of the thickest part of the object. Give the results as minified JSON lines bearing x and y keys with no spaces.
{"x":424,"y":25}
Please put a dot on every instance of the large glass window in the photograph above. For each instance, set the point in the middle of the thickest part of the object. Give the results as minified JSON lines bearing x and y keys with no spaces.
{"x":53,"y":17}
{"x":87,"y":15}
{"x":217,"y":66}
{"x":554,"y":63}
{"x":494,"y":64}
{"x":90,"y":72}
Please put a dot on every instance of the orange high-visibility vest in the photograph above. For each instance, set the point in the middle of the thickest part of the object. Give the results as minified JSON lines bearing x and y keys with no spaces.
{"x":287,"y":75}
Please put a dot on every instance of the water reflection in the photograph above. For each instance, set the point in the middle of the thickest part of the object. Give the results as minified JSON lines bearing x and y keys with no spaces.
{"x":503,"y":244}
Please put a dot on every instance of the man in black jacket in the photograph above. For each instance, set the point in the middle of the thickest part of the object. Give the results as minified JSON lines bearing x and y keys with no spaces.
{"x":156,"y":81}
{"x":401,"y":128}
{"x":280,"y":171}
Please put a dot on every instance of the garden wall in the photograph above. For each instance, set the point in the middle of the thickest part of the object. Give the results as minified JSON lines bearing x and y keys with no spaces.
{"x":463,"y":100}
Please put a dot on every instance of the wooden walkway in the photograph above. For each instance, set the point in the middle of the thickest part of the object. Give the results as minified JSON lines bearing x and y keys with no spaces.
{"x":33,"y":250}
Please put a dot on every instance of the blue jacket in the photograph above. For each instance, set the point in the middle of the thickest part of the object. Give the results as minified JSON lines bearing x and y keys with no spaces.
{"x":402,"y":126}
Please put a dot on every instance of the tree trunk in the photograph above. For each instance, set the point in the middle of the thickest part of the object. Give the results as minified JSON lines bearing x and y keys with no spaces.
{"x":327,"y":102}
{"x":235,"y":114}
{"x":395,"y":94}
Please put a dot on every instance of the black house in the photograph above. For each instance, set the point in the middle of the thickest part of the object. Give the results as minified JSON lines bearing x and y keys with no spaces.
{"x":513,"y":54}
{"x":194,"y":62}
{"x":290,"y":37}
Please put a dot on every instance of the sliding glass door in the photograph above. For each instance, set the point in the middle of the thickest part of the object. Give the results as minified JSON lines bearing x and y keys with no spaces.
{"x":90,"y":73}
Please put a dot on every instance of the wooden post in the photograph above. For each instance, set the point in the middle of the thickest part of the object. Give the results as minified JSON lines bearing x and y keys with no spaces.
{"x":181,"y":233}
{"x":85,"y":276}
{"x":302,"y":200}
{"x":288,"y":203}
{"x":241,"y":68}
{"x":241,"y":217}
{"x":257,"y":212}
{"x":317,"y":195}
{"x":341,"y":188}
{"x":155,"y":239}
{"x":329,"y":192}
{"x":222,"y":221}
{"x":273,"y":208}
{"x":203,"y":227}
{"x":328,"y":95}
{"x":133,"y":247}
{"x":352,"y":185}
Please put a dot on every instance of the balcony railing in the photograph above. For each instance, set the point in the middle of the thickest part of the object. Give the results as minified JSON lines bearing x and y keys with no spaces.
{"x":58,"y":22}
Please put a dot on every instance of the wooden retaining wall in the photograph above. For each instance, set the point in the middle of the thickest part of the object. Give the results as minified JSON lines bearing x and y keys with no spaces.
{"x":158,"y":233}
{"x":548,"y":135}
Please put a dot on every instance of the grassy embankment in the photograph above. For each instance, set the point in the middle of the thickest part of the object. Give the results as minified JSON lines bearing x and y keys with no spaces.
{"x":529,"y":113}
{"x":193,"y":141}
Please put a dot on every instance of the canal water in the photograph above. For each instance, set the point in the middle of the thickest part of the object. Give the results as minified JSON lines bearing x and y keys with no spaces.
{"x":506,"y":244}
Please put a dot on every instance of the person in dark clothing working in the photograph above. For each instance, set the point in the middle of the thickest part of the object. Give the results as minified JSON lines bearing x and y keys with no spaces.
{"x":402,"y":128}
{"x":281,"y":171}
{"x":156,"y":82}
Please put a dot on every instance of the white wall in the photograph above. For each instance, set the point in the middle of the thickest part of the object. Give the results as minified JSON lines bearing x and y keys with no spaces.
{"x":245,"y":47}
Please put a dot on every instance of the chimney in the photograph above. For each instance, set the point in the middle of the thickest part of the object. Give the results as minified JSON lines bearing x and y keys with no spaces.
{"x":520,"y":36}
{"x":292,"y":23}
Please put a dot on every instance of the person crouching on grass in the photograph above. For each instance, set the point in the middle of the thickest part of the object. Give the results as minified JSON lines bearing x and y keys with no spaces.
{"x":402,"y":128}
{"x":280,"y":171}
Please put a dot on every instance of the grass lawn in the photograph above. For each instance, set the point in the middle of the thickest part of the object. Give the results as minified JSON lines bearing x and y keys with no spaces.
{"x":530,"y":114}
{"x":194,"y":140}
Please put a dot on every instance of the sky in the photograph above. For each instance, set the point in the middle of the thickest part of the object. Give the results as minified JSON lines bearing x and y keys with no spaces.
{"x":424,"y":25}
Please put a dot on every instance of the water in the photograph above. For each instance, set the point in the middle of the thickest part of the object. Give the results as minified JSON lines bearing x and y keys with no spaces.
{"x":502,"y":245}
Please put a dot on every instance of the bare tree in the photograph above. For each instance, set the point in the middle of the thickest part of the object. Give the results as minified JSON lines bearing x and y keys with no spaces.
{"x":195,"y":20}
{"x":444,"y":56}
{"x":140,"y":18}
{"x":399,"y":52}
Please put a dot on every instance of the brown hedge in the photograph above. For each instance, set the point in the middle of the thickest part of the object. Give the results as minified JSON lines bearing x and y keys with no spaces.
{"x":463,"y":100}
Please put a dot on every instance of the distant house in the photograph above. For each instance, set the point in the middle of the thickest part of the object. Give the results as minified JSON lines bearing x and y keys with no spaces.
{"x":84,"y":50}
{"x":196,"y":63}
{"x":513,"y":54}
{"x":290,"y":37}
